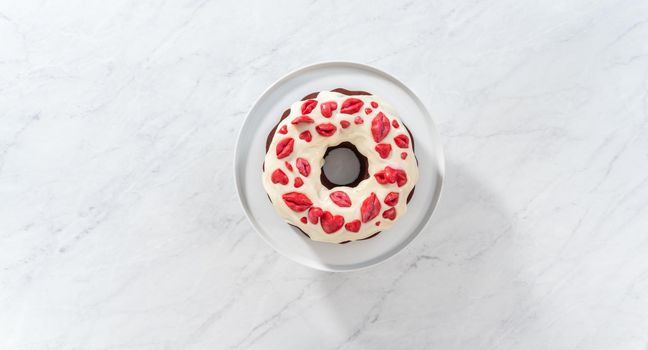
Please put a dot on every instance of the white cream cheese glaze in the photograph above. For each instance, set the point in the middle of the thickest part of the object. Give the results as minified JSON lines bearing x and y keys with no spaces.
{"x":361,"y":136}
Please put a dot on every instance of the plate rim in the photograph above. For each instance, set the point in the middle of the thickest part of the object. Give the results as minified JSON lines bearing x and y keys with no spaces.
{"x":439,"y":153}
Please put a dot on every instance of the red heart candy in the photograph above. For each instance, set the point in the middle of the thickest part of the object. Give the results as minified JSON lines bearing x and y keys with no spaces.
{"x":353,"y":226}
{"x":278,"y":176}
{"x":306,"y":136}
{"x":389,"y":214}
{"x":383,"y":150}
{"x":328,"y":108}
{"x":331,"y":223}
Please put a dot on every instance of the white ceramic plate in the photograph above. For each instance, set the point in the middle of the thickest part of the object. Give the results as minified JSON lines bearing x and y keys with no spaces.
{"x":250,"y":151}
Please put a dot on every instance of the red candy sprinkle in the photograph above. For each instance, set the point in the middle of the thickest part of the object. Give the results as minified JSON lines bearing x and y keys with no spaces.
{"x":314,"y":214}
{"x":303,"y":166}
{"x":341,"y":199}
{"x":377,"y":223}
{"x":374,"y":104}
{"x":370,"y":208}
{"x":306,"y":136}
{"x":279,"y":177}
{"x":344,"y":124}
{"x":401,"y":141}
{"x":283,"y":130}
{"x":326,"y":129}
{"x":297,"y":201}
{"x":302,"y":119}
{"x":368,"y":110}
{"x":383,"y":150}
{"x":288,"y":166}
{"x":358,"y":120}
{"x":298,"y":182}
{"x":379,"y":127}
{"x":391,"y":199}
{"x":308,"y":106}
{"x":353,"y":226}
{"x":403,"y":155}
{"x":351,"y":105}
{"x":390,"y":175}
{"x":395,"y":124}
{"x":389,"y":214}
{"x":328,"y":108}
{"x":303,"y":220}
{"x":285,"y":147}
{"x":331,"y":223}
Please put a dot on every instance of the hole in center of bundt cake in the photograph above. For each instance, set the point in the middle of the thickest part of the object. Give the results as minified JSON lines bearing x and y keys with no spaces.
{"x":344,"y":165}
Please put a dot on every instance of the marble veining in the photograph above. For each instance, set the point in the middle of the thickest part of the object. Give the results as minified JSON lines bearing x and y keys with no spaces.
{"x":119,"y":222}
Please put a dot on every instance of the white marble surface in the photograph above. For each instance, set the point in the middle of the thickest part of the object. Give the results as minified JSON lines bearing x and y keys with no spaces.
{"x":120,"y":227}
